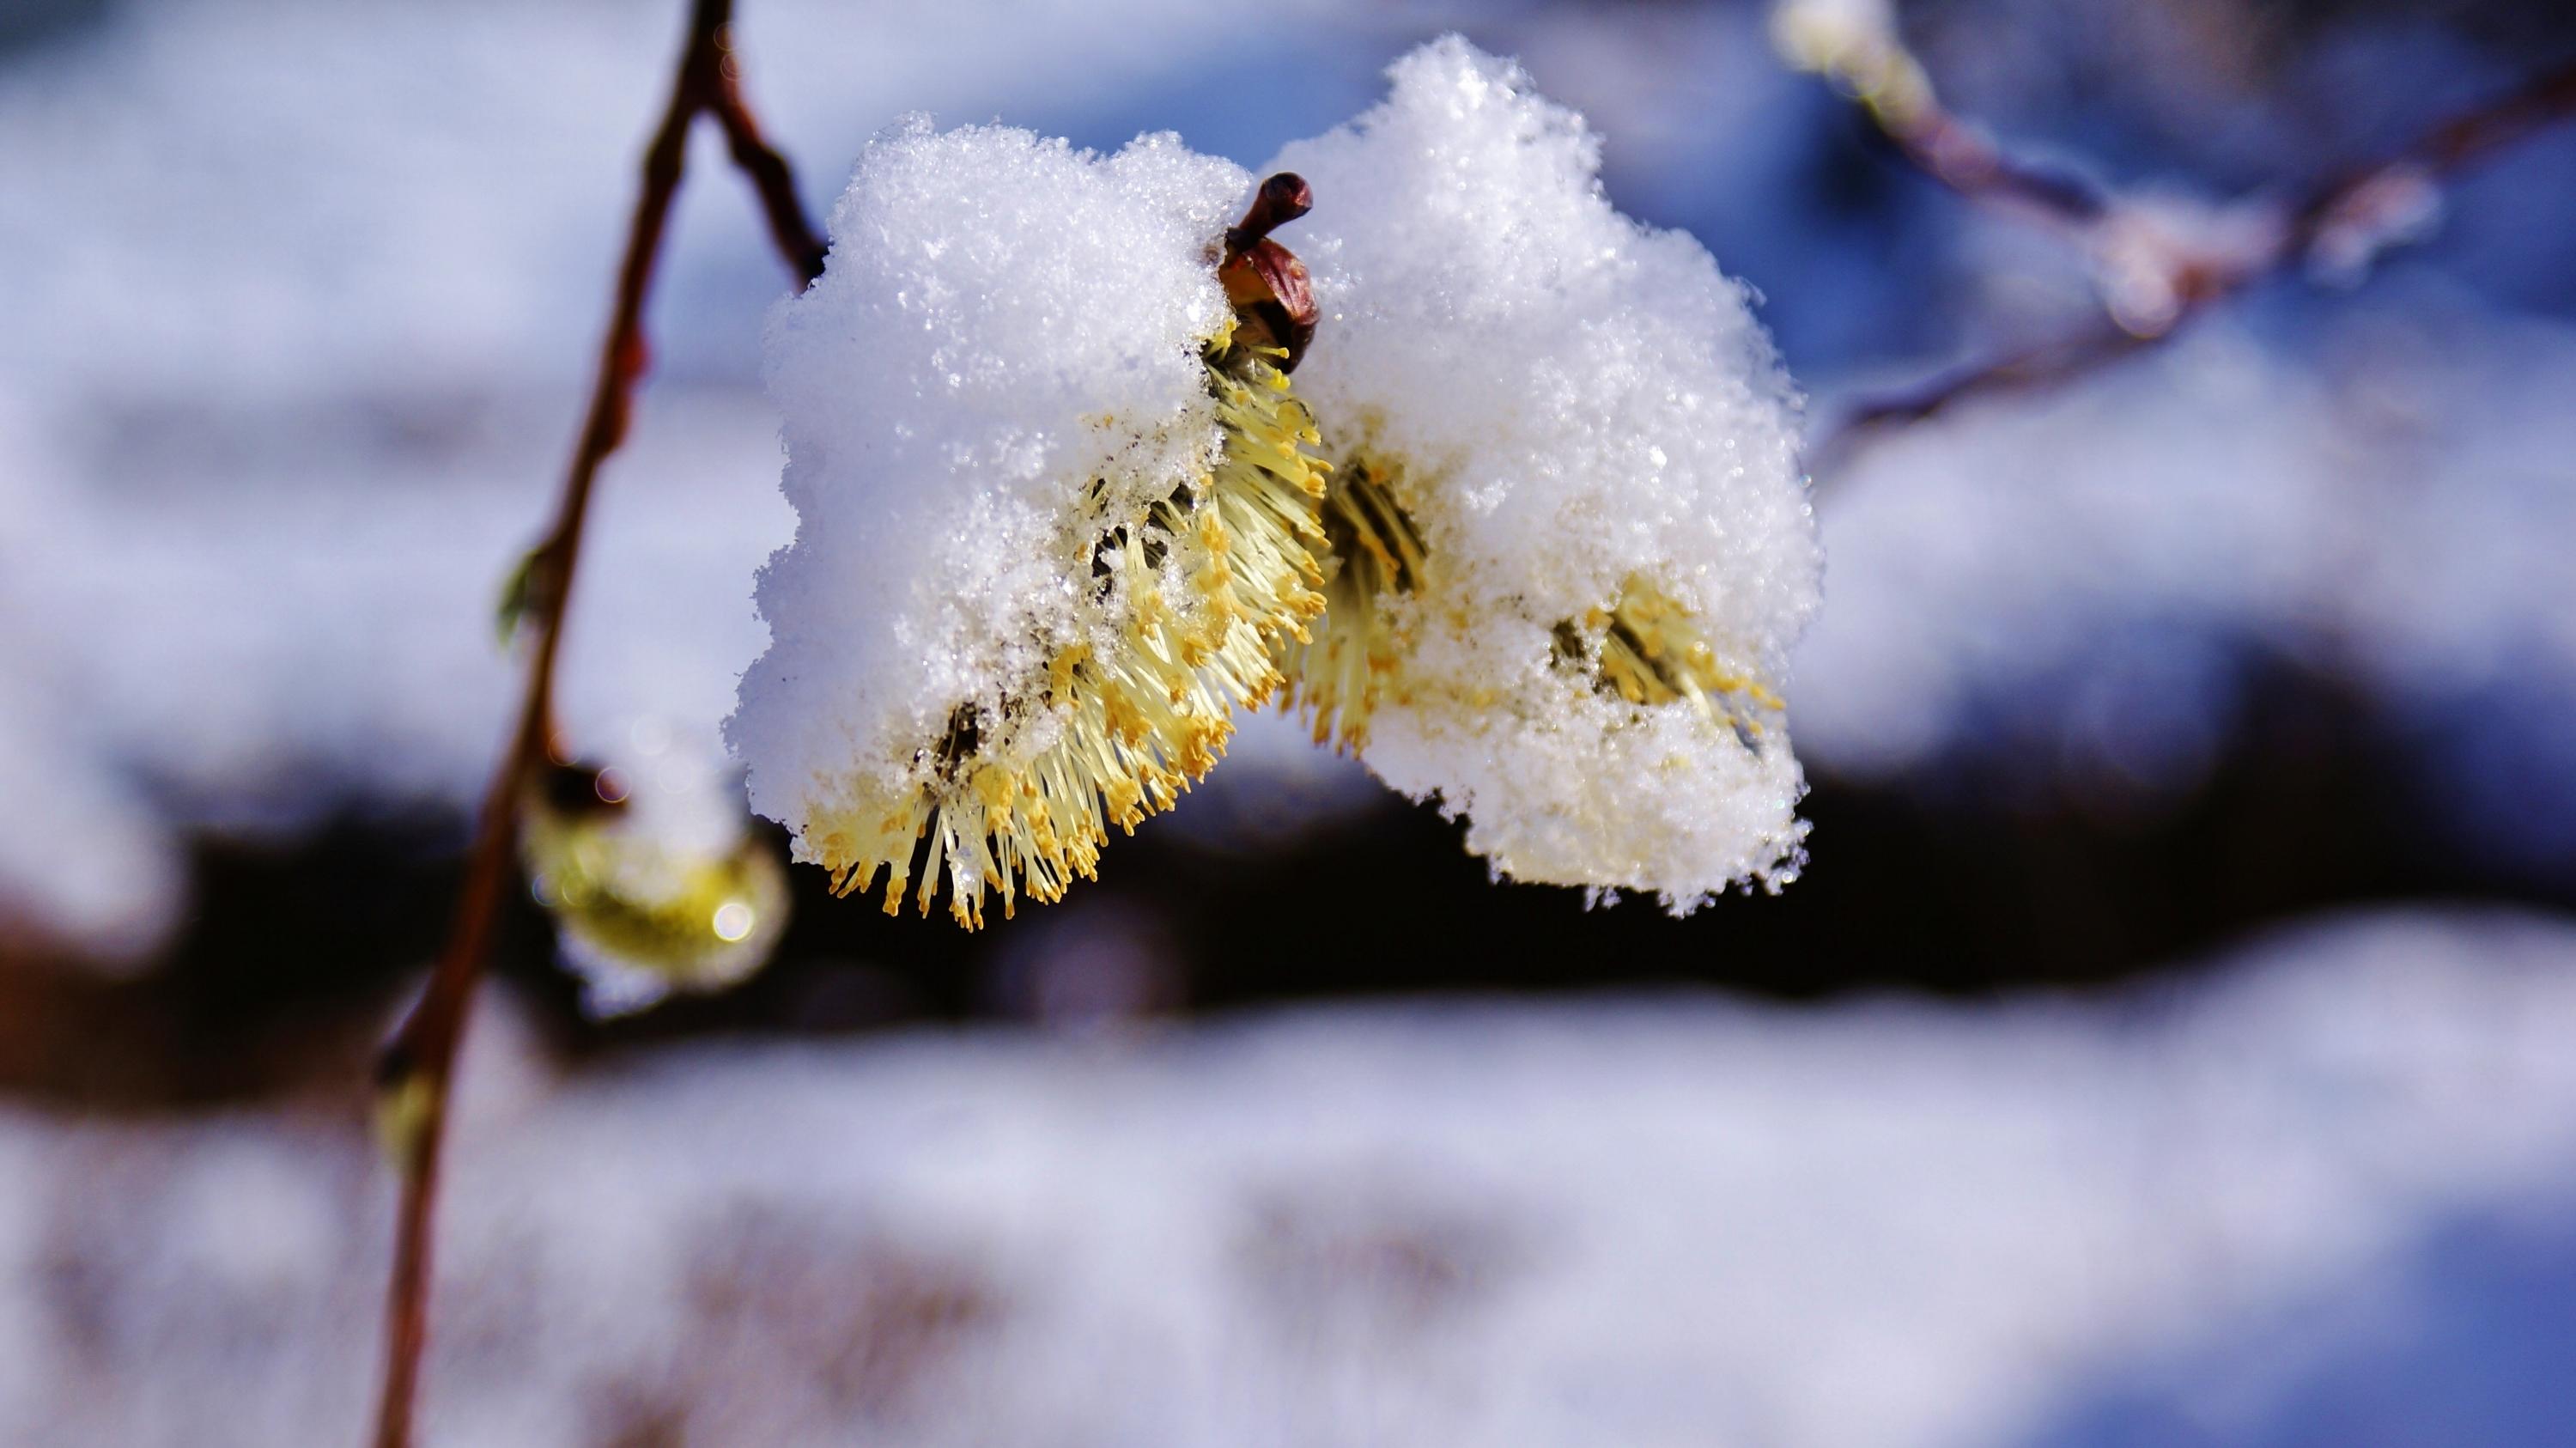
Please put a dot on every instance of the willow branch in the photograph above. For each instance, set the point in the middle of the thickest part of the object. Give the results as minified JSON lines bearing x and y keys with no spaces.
{"x":419,"y":1063}
{"x":1965,"y":158}
{"x":767,"y":170}
{"x":1859,"y":47}
{"x":2338,"y":225}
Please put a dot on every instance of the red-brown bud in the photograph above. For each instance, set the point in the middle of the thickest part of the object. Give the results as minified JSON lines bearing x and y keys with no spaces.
{"x":1274,"y":302}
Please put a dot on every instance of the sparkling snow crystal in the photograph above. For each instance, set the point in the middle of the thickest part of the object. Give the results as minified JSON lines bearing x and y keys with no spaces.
{"x":1573,"y":540}
{"x":1053,"y":514}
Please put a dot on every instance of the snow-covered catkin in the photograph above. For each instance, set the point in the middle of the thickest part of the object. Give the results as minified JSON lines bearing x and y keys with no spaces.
{"x":653,"y":876}
{"x":1571,"y":542}
{"x":1054,"y":514}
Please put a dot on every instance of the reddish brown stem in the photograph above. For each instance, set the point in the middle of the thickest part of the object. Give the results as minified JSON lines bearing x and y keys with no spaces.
{"x":2442,"y":152}
{"x":1870,"y":60}
{"x":768,"y":171}
{"x":1967,"y":160}
{"x":419,"y":1063}
{"x":2468,"y":137}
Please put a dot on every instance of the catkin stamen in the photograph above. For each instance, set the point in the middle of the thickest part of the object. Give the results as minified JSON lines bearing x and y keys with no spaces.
{"x":1198,"y":591}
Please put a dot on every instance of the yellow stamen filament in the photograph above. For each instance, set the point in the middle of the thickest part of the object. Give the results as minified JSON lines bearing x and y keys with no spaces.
{"x":1340,"y":675}
{"x":1644,"y":647}
{"x":1652,"y":653}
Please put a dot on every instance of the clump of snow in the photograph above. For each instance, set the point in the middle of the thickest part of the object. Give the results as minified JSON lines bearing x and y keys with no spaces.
{"x":1006,"y":342}
{"x":1575,"y":407}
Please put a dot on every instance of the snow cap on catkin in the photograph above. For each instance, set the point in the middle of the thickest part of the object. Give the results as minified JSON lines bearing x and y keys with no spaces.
{"x":1049,"y":518}
{"x":1574,"y":542}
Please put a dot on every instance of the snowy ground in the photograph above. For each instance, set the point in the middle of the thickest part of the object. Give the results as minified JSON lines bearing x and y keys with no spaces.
{"x":2335,"y":1181}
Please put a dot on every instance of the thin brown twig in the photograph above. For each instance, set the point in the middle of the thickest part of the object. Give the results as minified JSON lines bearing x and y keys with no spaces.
{"x":1964,"y":157}
{"x":767,"y":170}
{"x":2347,"y":213}
{"x":1862,"y":50}
{"x":2470,"y":136}
{"x":416,"y":1069}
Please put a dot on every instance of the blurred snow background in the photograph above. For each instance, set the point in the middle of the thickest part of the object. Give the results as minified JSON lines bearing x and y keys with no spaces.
{"x":300,"y":300}
{"x":2338,"y":1171}
{"x":2382,"y":493}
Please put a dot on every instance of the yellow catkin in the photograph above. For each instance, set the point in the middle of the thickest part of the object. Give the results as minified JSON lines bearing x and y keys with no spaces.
{"x":1021,"y":794}
{"x":1644,"y":646}
{"x":694,"y":921}
{"x":1652,"y":652}
{"x":1338,"y":673}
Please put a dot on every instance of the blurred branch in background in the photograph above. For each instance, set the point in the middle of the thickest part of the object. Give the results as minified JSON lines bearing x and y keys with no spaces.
{"x":415,"y":1071}
{"x":1857,"y":45}
{"x":2156,"y":263}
